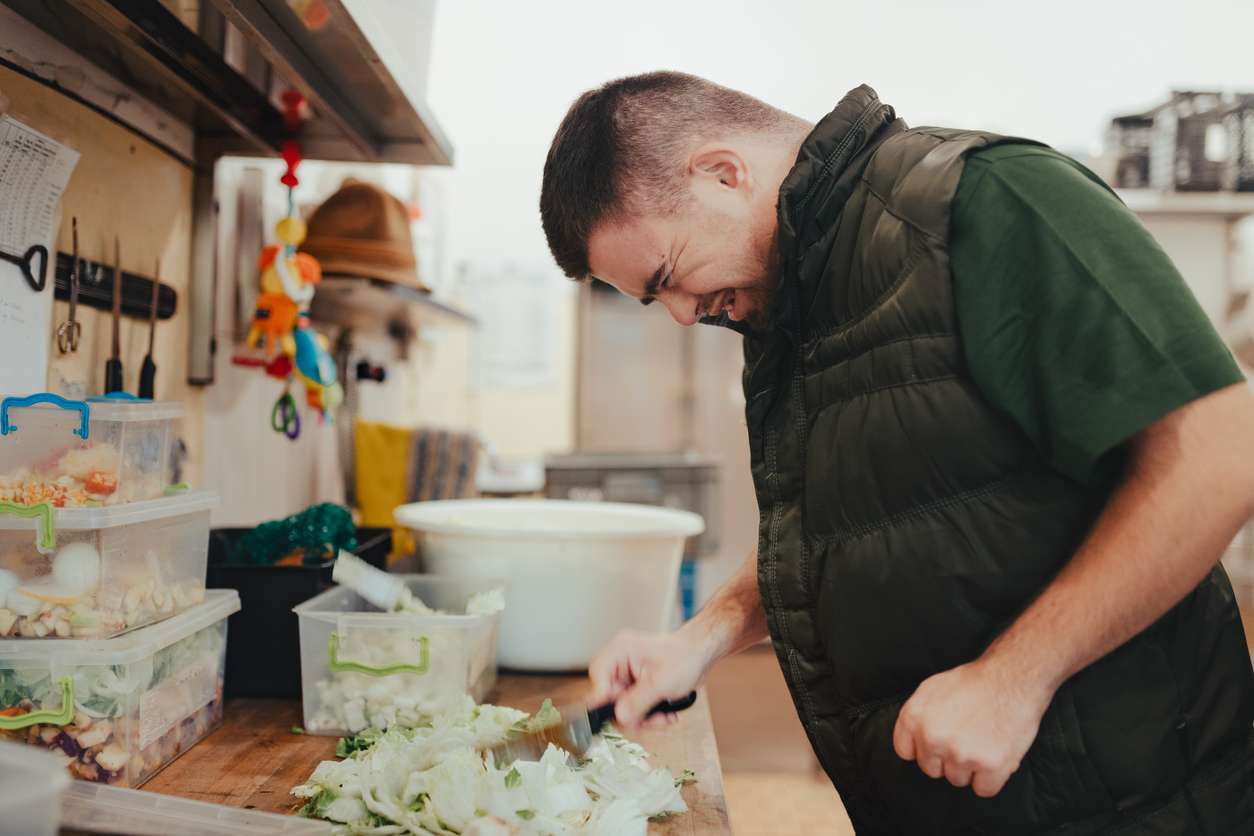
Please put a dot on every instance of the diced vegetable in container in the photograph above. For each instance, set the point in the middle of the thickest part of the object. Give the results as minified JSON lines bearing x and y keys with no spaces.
{"x":361,"y":667}
{"x":119,"y":710}
{"x":88,"y":573}
{"x":99,"y":451}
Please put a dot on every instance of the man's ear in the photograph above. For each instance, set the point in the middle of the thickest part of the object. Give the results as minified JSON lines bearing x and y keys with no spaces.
{"x":720,"y":165}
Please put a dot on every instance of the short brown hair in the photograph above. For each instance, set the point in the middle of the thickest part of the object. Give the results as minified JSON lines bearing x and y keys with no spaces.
{"x":622,"y":146}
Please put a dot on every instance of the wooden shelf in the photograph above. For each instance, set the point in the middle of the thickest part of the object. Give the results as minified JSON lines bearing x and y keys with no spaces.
{"x":373,"y":304}
{"x":1231,"y":205}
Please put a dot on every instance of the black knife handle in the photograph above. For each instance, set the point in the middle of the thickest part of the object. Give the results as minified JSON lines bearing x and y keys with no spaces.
{"x":113,"y":376}
{"x":598,"y":717}
{"x":148,"y":378}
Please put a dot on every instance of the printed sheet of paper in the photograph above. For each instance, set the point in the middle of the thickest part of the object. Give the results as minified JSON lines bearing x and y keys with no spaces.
{"x":516,"y":340}
{"x":34,"y":170}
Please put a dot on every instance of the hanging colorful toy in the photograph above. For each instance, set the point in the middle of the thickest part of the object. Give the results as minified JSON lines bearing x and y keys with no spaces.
{"x":280,"y":327}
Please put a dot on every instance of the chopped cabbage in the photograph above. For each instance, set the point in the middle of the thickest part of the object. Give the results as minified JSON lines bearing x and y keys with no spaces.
{"x":439,"y":781}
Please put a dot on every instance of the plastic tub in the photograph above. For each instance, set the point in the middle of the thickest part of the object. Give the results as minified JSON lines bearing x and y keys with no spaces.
{"x":575,"y":573}
{"x":31,"y":786}
{"x":98,"y":451}
{"x":97,"y":572}
{"x":267,"y":595}
{"x":98,"y":809}
{"x":361,"y":667}
{"x":119,"y":709}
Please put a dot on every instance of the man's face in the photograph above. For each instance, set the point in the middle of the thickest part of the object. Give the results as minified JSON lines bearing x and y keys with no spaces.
{"x":699,"y":261}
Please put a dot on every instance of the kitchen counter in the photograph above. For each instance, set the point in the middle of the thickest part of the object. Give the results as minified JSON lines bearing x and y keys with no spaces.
{"x":254,"y":760}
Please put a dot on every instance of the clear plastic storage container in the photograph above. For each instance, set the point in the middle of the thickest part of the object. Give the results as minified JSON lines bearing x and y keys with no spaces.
{"x":99,"y":451}
{"x":96,"y":809}
{"x":31,"y":787}
{"x":361,"y":667}
{"x":97,"y":572}
{"x":119,"y":709}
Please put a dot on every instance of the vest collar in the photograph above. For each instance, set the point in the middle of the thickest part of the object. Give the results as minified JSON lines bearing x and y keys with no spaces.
{"x":819,"y":176}
{"x":816,"y":188}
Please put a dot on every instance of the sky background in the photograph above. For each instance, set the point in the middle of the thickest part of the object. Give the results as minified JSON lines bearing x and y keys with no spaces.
{"x":503,"y":74}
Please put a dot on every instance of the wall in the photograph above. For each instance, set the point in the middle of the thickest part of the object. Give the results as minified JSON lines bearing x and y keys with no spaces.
{"x":1202,"y":249}
{"x":647,"y":385}
{"x":532,"y":420}
{"x":431,"y":382}
{"x":152,"y":222}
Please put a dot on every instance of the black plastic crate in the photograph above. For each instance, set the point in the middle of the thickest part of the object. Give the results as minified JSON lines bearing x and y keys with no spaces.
{"x":263,"y":640}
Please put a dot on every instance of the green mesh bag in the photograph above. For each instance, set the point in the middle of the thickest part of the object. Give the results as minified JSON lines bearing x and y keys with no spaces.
{"x":317,"y":534}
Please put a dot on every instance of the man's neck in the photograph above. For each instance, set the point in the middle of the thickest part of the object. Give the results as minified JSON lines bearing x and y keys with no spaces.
{"x":766,"y":212}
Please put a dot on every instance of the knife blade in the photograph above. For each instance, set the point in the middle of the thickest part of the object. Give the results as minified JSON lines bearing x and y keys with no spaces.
{"x":573,"y":733}
{"x":113,"y":366}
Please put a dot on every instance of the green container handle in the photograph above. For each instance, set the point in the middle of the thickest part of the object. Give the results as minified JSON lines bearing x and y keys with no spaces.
{"x":46,"y":534}
{"x":56,"y":718}
{"x":337,"y":666}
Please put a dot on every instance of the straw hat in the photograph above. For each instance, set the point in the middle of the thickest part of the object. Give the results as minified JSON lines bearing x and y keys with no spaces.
{"x":362,"y":230}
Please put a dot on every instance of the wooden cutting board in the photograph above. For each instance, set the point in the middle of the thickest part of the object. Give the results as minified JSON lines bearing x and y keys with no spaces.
{"x":254,"y":760}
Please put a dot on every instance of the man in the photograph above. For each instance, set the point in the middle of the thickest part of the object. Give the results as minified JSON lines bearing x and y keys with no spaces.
{"x":997,"y":449}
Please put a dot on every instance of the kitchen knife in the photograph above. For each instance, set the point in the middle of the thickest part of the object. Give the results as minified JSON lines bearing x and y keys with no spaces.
{"x":113,"y":366}
{"x":148,"y":373}
{"x":573,"y":733}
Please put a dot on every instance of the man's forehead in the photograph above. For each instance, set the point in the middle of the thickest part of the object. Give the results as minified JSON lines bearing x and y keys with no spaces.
{"x":626,"y":254}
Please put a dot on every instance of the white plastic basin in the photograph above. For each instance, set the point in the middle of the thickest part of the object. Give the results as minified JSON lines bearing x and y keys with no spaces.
{"x":576,"y":572}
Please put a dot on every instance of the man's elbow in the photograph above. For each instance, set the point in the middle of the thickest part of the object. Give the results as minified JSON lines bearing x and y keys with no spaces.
{"x":1208,"y":442}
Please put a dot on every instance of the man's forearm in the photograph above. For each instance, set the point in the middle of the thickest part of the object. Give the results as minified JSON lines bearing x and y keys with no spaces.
{"x":733,"y":619}
{"x":1188,"y":490}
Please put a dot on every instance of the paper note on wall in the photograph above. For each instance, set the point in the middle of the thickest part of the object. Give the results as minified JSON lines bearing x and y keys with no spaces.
{"x":34,"y":170}
{"x":516,"y":341}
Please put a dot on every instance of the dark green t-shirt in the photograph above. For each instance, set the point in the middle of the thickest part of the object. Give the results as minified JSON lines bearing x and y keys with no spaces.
{"x":1073,"y":319}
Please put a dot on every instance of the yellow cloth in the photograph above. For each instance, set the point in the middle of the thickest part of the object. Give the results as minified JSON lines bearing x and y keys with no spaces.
{"x":394,"y":466}
{"x":381,"y":455}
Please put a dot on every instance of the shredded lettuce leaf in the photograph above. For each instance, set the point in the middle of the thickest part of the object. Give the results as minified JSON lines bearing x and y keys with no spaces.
{"x":442,"y":781}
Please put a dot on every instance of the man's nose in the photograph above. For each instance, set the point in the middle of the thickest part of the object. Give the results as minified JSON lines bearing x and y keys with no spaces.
{"x":682,"y":307}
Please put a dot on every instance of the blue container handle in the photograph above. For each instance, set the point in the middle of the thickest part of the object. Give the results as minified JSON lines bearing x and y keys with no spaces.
{"x":81,"y":407}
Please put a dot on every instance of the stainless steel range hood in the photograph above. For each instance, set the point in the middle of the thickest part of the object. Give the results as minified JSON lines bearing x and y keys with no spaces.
{"x":359,"y":110}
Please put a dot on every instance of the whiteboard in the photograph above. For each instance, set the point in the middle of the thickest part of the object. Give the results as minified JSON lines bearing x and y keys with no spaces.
{"x":34,"y":170}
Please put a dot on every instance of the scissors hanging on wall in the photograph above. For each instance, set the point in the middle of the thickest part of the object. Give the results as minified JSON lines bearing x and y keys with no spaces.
{"x":69,"y":331}
{"x":285,"y":418}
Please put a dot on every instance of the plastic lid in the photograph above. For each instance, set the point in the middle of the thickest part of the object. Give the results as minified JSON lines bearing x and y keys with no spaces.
{"x":129,"y":647}
{"x":126,"y":513}
{"x":98,"y":808}
{"x":27,"y":773}
{"x":119,"y":409}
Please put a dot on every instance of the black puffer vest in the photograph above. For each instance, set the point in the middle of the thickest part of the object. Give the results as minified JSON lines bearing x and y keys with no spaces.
{"x":905,"y":523}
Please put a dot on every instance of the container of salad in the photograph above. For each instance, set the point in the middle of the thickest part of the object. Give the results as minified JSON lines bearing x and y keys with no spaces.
{"x":91,"y":573}
{"x":363,"y":667}
{"x":120,"y":709}
{"x":98,"y":451}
